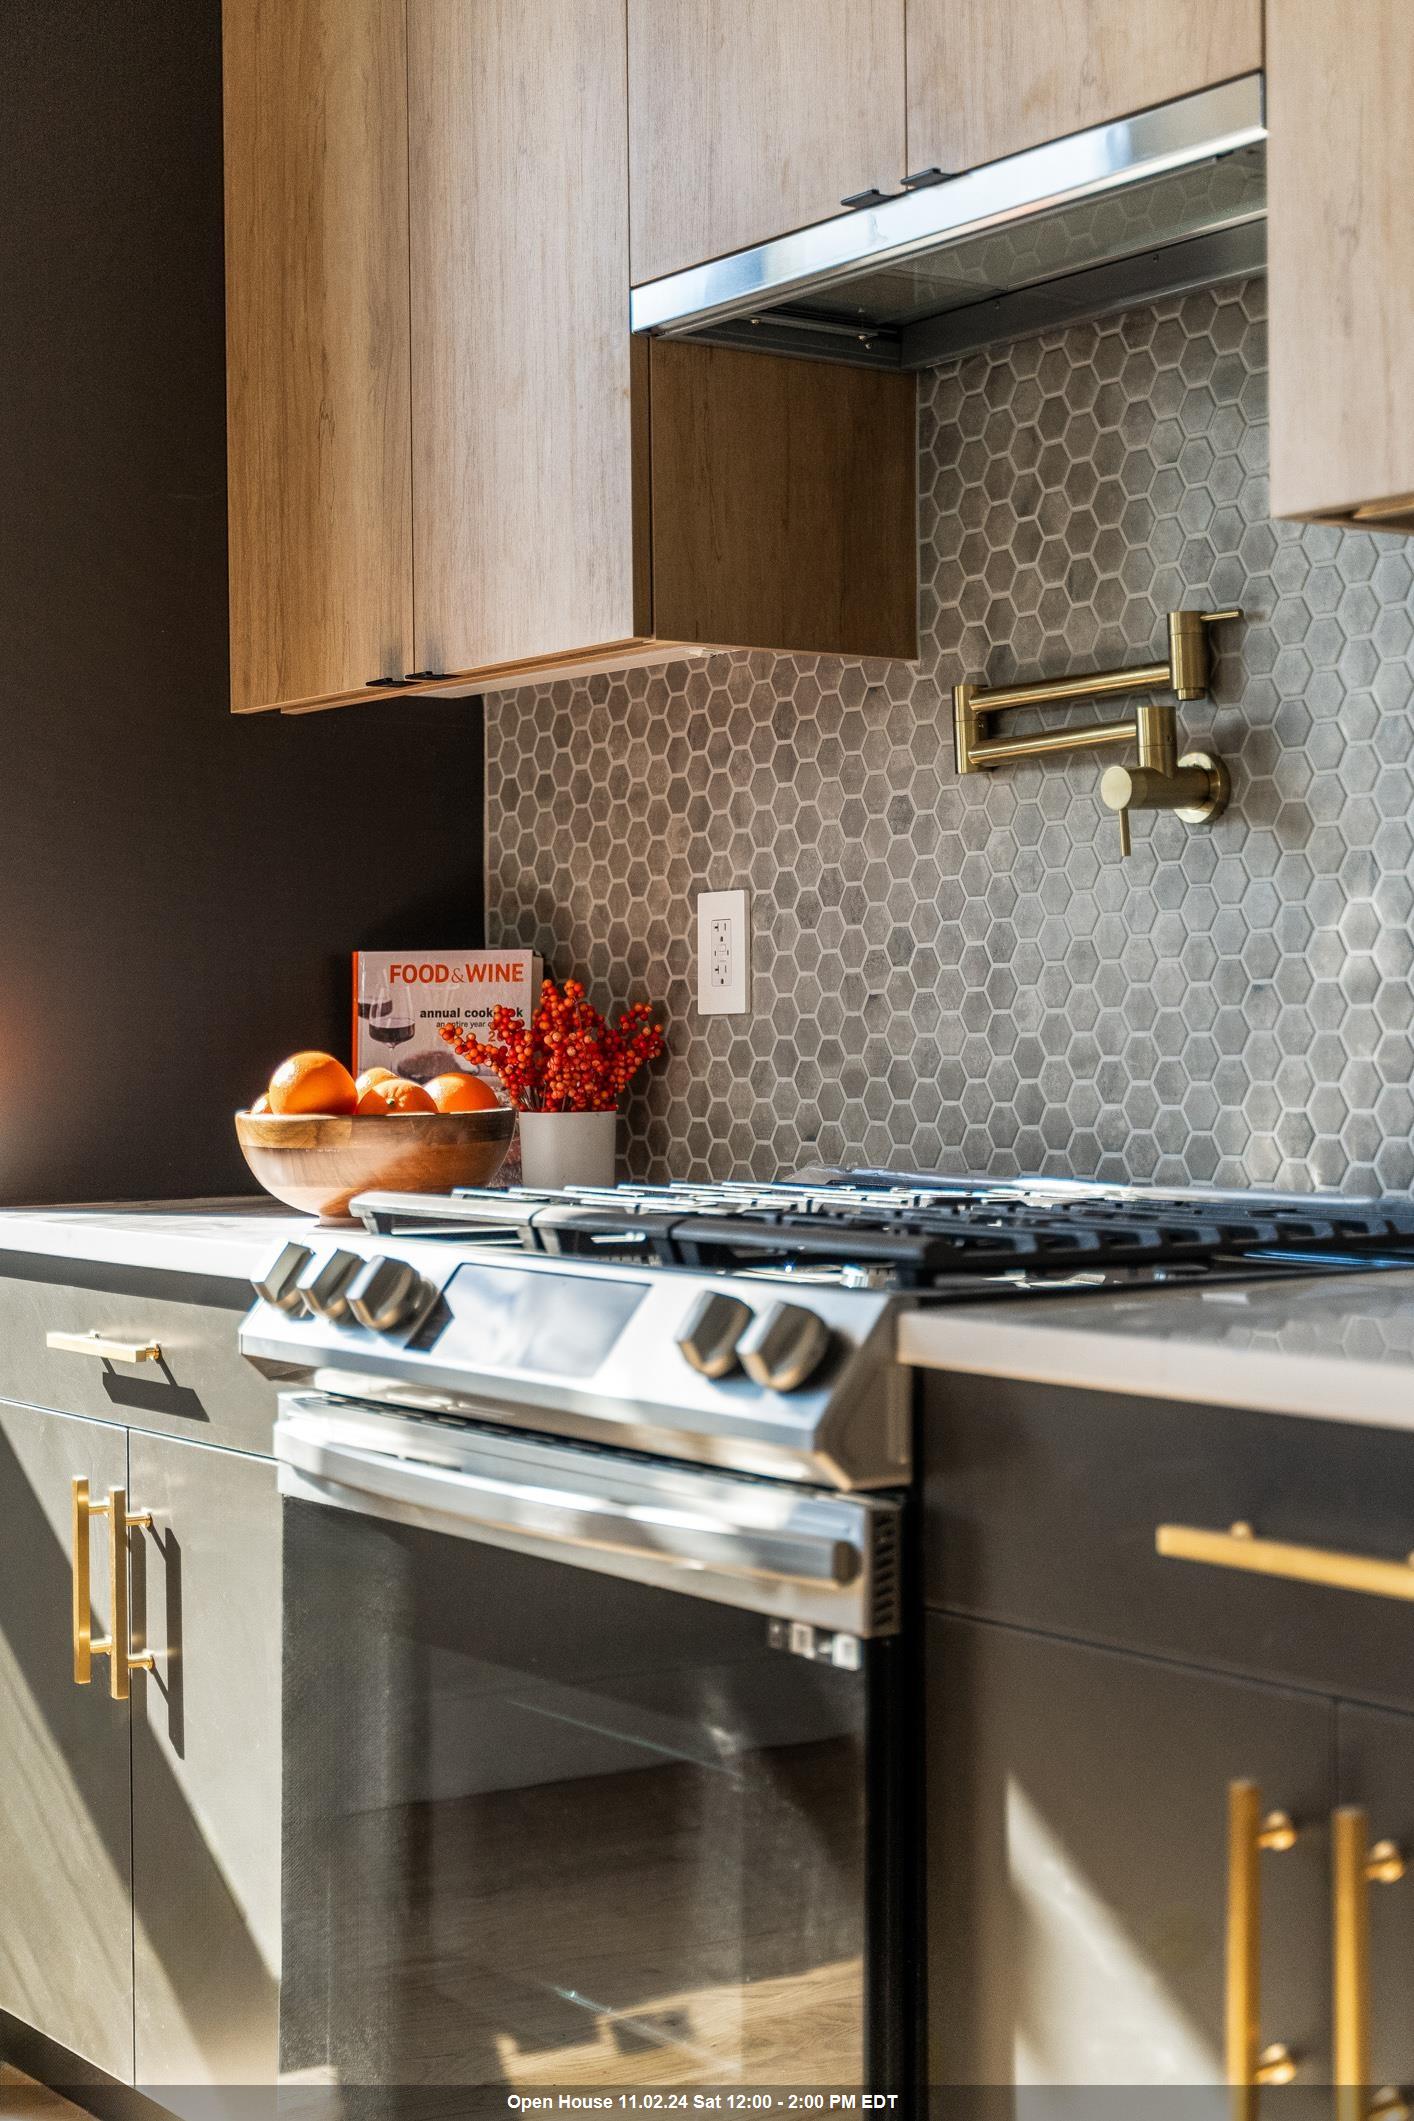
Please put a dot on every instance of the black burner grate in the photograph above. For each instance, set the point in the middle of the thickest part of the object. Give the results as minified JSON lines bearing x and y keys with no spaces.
{"x":921,"y":1235}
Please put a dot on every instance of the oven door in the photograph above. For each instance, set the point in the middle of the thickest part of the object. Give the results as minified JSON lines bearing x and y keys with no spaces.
{"x":591,"y":1767}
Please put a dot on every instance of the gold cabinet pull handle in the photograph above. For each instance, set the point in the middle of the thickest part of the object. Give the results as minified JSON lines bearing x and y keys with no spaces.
{"x":80,"y":1556}
{"x":121,"y":1657}
{"x":116,"y":1645}
{"x":1355,"y":1867}
{"x":104,"y":1348}
{"x":1249,"y":2064}
{"x":1240,"y":1548}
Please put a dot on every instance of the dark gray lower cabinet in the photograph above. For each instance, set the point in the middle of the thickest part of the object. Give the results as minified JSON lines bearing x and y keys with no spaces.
{"x":140,"y":1838}
{"x":66,"y":1937}
{"x":206,"y":1766}
{"x":1077,"y":1861}
{"x":1376,"y":1772}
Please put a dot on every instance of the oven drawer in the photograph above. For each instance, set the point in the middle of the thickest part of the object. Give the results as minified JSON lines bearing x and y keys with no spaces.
{"x":1043,"y":1507}
{"x":197,"y":1384}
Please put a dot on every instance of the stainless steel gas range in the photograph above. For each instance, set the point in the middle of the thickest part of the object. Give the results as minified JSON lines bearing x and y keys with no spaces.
{"x":599,"y":1694}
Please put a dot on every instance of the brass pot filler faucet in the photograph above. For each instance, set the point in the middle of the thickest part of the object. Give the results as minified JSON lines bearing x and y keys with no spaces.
{"x":1196,"y":785}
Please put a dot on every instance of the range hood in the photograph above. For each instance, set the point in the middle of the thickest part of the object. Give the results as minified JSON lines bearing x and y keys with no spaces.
{"x":1170,"y":199}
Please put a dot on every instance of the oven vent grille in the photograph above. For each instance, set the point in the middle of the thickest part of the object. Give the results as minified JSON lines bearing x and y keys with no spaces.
{"x":886,"y":1598}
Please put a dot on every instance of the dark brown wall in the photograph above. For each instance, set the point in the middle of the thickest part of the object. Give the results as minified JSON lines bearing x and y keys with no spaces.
{"x":179,"y":891}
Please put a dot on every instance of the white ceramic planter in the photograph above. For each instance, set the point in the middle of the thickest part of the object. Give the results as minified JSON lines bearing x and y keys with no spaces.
{"x":568,"y":1148}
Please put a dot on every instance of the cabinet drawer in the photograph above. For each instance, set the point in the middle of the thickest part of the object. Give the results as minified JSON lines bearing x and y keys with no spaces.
{"x":200,"y":1386}
{"x":1041,"y":1508}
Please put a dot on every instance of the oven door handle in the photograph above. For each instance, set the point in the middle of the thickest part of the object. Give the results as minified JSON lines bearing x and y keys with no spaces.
{"x":675,"y":1533}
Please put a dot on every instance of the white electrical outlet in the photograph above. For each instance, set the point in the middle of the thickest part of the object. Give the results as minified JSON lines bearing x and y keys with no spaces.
{"x":723,"y":953}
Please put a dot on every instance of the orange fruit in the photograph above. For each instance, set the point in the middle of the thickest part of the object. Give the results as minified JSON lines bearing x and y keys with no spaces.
{"x":312,"y":1082}
{"x":370,"y":1076}
{"x":461,"y":1093}
{"x":399,"y":1096}
{"x":262,"y":1104}
{"x":371,"y":1105}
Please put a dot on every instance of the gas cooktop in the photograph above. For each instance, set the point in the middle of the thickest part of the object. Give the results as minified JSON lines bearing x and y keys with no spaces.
{"x":932,"y":1236}
{"x":749,"y":1326}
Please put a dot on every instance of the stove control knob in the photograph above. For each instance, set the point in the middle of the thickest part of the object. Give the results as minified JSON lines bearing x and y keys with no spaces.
{"x":711,"y":1331}
{"x":324,"y":1287}
{"x":785,"y":1347}
{"x":277,"y":1282}
{"x":384,"y":1294}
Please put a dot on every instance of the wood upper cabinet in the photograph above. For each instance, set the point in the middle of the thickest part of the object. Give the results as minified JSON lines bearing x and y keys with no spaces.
{"x":989,"y":77}
{"x":1340,"y":232}
{"x":450,"y":463}
{"x":753,"y":117}
{"x":317,"y":351}
{"x":522,"y":411}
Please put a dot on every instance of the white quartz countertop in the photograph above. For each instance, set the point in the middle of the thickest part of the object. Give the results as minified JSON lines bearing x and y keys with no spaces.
{"x":227,"y":1238}
{"x":1340,"y":1348}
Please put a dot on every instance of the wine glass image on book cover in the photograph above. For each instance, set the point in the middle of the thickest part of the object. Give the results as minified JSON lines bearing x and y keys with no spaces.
{"x":388,"y":1018}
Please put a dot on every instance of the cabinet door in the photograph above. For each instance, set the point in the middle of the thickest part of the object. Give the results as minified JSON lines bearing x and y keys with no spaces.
{"x":748,"y":118}
{"x":318,"y":424}
{"x":989,"y":77}
{"x":1340,"y":237}
{"x":65,"y":1828}
{"x":522,"y":418}
{"x":206,"y":1765}
{"x":1376,"y":1772}
{"x":1077,"y":1861}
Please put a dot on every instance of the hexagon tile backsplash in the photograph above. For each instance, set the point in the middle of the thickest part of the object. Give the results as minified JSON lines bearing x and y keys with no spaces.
{"x":964,"y":975}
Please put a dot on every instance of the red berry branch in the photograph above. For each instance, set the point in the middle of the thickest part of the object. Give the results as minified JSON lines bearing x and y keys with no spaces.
{"x":568,"y":1058}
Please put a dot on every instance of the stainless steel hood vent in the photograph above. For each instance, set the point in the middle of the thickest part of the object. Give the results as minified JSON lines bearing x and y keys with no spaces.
{"x":1170,"y":199}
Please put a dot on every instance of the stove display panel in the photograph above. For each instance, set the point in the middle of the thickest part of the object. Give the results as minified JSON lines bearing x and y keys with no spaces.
{"x":499,"y":1318}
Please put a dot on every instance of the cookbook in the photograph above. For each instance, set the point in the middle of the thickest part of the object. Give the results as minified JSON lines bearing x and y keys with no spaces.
{"x":402,"y":998}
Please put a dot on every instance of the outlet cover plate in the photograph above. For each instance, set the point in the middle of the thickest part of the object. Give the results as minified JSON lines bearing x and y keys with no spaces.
{"x":723,"y":953}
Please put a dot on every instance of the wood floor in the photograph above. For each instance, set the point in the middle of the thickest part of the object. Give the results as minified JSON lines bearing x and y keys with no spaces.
{"x":21,"y":2099}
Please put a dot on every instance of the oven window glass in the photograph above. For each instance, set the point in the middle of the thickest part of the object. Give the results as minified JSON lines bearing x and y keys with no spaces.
{"x":544,"y":1828}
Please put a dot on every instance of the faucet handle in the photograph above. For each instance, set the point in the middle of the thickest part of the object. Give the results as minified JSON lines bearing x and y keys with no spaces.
{"x":1218,"y":618}
{"x":1117,"y":793}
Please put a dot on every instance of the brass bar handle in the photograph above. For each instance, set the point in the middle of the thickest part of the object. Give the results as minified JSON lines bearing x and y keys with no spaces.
{"x":1249,"y":2065}
{"x":80,"y":1561}
{"x":1399,"y":504}
{"x":104,"y":1348}
{"x":1355,"y":1867}
{"x":122,"y":1659}
{"x":1240,"y":1548}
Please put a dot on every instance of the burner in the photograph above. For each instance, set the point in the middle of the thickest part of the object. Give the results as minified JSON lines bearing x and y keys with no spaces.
{"x":948,"y":1238}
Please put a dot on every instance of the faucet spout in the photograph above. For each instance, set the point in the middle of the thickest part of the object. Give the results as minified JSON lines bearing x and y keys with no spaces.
{"x":1195,"y":786}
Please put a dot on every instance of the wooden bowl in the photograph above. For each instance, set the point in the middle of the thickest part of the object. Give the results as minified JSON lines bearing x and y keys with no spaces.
{"x":317,"y":1164}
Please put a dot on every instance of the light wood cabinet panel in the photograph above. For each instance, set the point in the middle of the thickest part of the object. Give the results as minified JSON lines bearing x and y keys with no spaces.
{"x":989,"y":77}
{"x":752,"y":117}
{"x":783,"y":503}
{"x":66,"y":1939}
{"x":522,"y":420}
{"x":206,"y":1765}
{"x":318,"y":369}
{"x":1340,"y":85}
